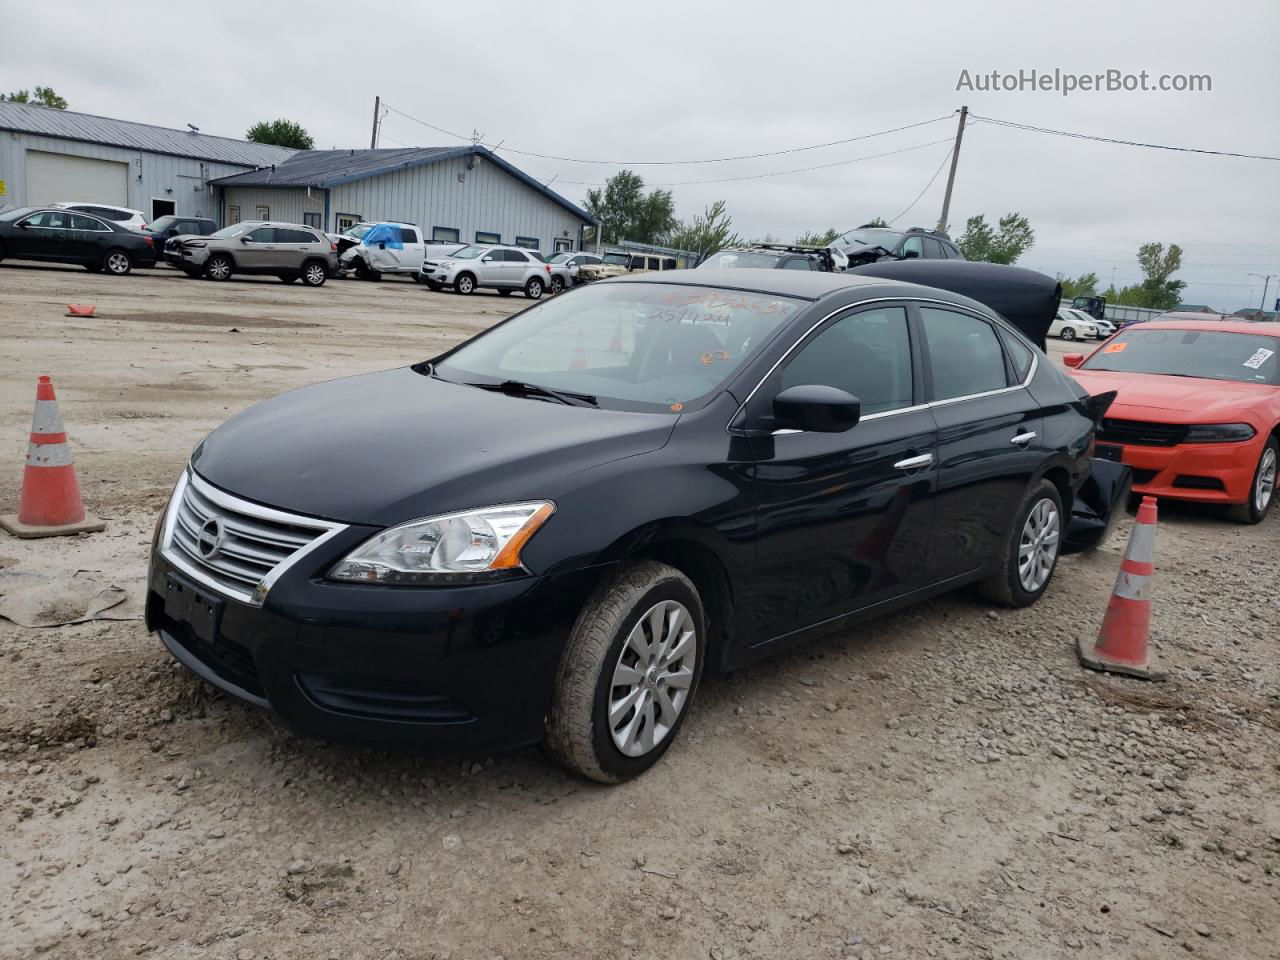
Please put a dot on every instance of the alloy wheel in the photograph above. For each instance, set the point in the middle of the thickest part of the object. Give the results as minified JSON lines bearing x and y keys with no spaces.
{"x":652,"y":678}
{"x":1068,"y":333}
{"x":118,"y":263}
{"x":1266,"y":485}
{"x":315,"y":274}
{"x":219,"y":269}
{"x":1038,"y":547}
{"x":465,"y":285}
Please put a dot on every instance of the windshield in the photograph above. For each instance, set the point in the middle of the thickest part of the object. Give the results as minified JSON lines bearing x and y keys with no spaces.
{"x":228,"y":233}
{"x":1211,"y":354}
{"x":618,"y":259}
{"x":468,"y":253}
{"x":728,"y":259}
{"x":162,"y":224}
{"x":15,"y":213}
{"x":871,"y":238}
{"x":644,"y":345}
{"x":358,"y":231}
{"x":561,"y":257}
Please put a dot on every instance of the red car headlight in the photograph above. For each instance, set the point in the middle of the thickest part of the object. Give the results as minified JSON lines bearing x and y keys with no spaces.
{"x":1219,"y":433}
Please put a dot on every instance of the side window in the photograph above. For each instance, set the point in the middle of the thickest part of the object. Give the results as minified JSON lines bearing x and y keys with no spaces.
{"x":796,"y":263}
{"x":263,"y":235}
{"x":912,"y":244}
{"x":951,"y":252}
{"x":964,"y":354}
{"x":296,"y":236}
{"x":933,"y":249}
{"x":867,"y":354}
{"x":515,"y":256}
{"x":55,"y":219}
{"x":79,"y":222}
{"x":1020,"y":355}
{"x":408,"y":235}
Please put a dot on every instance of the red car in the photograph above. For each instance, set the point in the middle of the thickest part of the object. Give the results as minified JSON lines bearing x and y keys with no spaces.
{"x":1198,"y":411}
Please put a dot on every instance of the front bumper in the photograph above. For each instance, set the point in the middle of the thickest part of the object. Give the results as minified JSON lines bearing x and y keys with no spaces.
{"x":445,"y":668}
{"x":1202,"y":472}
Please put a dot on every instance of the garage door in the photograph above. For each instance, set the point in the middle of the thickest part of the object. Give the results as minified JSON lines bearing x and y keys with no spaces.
{"x":53,"y":177}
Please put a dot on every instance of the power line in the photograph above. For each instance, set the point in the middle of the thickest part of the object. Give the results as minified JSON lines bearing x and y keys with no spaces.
{"x":661,"y":163}
{"x":1128,"y":143}
{"x":926,"y":188}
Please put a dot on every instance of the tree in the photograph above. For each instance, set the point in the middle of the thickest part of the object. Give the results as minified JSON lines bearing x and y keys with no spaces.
{"x":43,"y":96}
{"x":1157,"y":266}
{"x":282,"y":133}
{"x":815,"y":239}
{"x":876,"y":222}
{"x":1005,"y":245}
{"x":1085,"y":285}
{"x":628,"y":213}
{"x":705,"y":234}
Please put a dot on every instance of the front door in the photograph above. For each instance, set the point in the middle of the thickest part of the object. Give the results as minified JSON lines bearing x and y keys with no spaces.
{"x":41,"y":235}
{"x":989,"y":444}
{"x":490,"y":267}
{"x":258,"y":250}
{"x":844,"y":519}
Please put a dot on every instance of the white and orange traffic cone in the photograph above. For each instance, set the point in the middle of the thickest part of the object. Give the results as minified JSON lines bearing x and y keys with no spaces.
{"x":50,"y":504}
{"x":615,"y":345}
{"x":1121,"y":646}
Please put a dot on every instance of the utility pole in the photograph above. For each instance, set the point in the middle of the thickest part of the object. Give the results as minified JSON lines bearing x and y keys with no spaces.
{"x":373,"y":137}
{"x":1266,"y":281}
{"x":951,"y":177}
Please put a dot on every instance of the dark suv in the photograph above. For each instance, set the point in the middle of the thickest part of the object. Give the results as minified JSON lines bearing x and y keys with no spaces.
{"x":166,"y":228}
{"x":772,"y":256}
{"x":869,"y":244}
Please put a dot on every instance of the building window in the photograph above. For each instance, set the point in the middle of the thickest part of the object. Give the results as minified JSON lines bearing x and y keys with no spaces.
{"x":233,"y":213}
{"x":446,"y":235}
{"x":311,"y":220}
{"x":562,"y":244}
{"x":345,"y":221}
{"x":529,"y":243}
{"x":483,"y":236}
{"x":263,"y":212}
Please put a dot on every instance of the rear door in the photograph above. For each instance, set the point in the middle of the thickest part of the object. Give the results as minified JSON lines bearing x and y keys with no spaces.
{"x":989,"y":438}
{"x":514,"y":266}
{"x":844,"y":519}
{"x":85,"y":237}
{"x":294,"y":246}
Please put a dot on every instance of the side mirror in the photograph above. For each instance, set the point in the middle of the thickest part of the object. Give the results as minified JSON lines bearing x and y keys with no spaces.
{"x":910,"y":254}
{"x":487,"y":260}
{"x":816,"y":408}
{"x":245,"y":240}
{"x":1073,"y":359}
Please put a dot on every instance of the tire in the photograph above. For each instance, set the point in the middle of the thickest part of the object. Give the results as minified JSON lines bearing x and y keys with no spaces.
{"x":219,"y":267}
{"x":1067,"y":334}
{"x":557,"y":285}
{"x":1262,"y":492}
{"x":464,"y":284}
{"x":600,"y":646}
{"x":1008,"y":587}
{"x":533,"y":289}
{"x":314,"y":273}
{"x":117,"y":262}
{"x":433,"y":286}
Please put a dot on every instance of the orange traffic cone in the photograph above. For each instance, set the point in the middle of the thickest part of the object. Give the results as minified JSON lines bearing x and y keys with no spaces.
{"x":615,"y":345}
{"x":1121,"y":646}
{"x":80,"y":309}
{"x":50,"y":503}
{"x":579,"y":361}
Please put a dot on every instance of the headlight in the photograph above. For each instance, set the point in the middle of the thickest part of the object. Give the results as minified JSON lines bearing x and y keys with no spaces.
{"x":456,"y":548}
{"x":1219,"y":433}
{"x":196,"y":243}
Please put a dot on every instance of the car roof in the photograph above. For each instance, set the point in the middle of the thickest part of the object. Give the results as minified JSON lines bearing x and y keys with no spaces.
{"x":280,"y":223}
{"x":805,"y":284}
{"x":1188,"y":315}
{"x":95,"y":203}
{"x":1265,"y":328}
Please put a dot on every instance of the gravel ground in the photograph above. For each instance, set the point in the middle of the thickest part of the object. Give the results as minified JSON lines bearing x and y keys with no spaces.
{"x":944,"y":782}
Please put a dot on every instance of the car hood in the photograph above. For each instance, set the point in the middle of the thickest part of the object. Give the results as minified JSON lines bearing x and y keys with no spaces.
{"x":393,"y":446}
{"x":1174,"y":399}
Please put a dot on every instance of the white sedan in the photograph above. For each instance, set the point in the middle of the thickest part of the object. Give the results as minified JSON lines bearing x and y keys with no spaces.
{"x":1070,"y":327}
{"x":1105,"y":327}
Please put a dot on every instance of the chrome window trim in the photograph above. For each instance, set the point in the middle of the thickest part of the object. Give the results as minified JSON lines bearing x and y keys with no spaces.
{"x":328,"y":530}
{"x":1031,"y":371}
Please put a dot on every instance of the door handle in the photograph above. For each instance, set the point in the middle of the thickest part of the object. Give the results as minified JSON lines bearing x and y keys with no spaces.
{"x":915,"y":463}
{"x":1024,"y":438}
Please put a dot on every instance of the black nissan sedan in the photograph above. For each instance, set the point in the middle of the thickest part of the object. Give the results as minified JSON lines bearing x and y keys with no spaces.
{"x":552,"y":531}
{"x":64,"y":236}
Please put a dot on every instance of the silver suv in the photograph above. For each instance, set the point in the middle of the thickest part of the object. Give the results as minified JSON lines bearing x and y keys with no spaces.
{"x":289,"y":251}
{"x":505,"y":269}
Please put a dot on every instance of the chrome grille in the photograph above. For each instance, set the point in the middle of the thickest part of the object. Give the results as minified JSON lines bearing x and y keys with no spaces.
{"x":235,"y":546}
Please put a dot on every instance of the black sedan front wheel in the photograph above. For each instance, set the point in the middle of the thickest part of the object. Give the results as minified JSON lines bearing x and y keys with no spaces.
{"x":1031,"y":553}
{"x":117,"y":262}
{"x":628,"y":674}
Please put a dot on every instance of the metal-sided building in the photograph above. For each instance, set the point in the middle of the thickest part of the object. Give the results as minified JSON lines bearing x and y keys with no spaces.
{"x":49,"y":155}
{"x":464,"y":194}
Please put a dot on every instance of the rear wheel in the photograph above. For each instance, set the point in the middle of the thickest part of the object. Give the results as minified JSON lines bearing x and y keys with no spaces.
{"x":1067,"y":334}
{"x":533,"y":289}
{"x":314,"y":273}
{"x":628,"y":674}
{"x":219,"y":267}
{"x":1030,"y":553}
{"x":557,"y":285}
{"x":465,"y":284}
{"x":1263,"y":491}
{"x":117,"y":262}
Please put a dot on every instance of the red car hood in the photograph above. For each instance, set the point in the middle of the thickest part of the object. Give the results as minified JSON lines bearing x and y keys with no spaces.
{"x":1175,"y":399}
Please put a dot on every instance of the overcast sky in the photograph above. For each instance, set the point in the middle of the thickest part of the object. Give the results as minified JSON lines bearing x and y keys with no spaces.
{"x":680,"y":81}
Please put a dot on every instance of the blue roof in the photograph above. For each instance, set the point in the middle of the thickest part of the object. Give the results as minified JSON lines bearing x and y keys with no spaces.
{"x":88,"y":128}
{"x":332,"y":168}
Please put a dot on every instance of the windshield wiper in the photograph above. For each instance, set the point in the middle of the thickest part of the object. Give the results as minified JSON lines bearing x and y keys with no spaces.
{"x":517,"y":388}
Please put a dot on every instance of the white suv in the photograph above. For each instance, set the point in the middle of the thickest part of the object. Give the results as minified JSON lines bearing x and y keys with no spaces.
{"x":505,"y":269}
{"x":126,"y":217}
